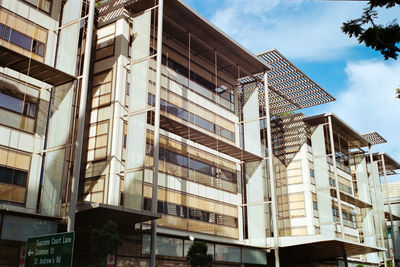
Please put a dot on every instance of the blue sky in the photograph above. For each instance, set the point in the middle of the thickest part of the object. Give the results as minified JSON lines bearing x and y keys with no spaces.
{"x":308,"y":34}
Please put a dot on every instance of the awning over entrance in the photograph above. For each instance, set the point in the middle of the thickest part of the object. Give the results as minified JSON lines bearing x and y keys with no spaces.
{"x":322,"y":249}
{"x":97,"y":214}
{"x":33,"y":68}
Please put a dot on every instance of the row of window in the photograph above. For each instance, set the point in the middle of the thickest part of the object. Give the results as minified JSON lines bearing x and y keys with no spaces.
{"x":191,"y":213}
{"x":178,"y":247}
{"x":44,"y":5}
{"x":182,"y":70}
{"x":342,"y":187}
{"x":349,"y":219}
{"x":15,"y":37}
{"x":192,"y":118}
{"x":192,"y":164}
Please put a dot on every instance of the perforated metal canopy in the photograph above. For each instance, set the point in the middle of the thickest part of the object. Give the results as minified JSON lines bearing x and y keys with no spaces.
{"x":374,"y":138}
{"x":291,"y":88}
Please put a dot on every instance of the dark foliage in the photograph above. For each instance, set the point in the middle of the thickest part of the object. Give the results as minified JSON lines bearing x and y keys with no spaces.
{"x":382,"y":38}
{"x":197,"y":255}
{"x":104,"y":241}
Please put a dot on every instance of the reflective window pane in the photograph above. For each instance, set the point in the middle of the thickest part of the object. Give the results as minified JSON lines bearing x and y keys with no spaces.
{"x":20,"y":228}
{"x":254,"y":256}
{"x":12,"y":176}
{"x":21,"y":40}
{"x":166,"y":246}
{"x":11,"y":103}
{"x":227,"y":253}
{"x":188,"y":243}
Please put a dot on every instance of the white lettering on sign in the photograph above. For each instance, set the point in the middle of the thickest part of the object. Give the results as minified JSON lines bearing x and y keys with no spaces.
{"x":40,"y":243}
{"x":45,"y":261}
{"x":56,"y":241}
{"x":41,"y":252}
{"x":67,"y":239}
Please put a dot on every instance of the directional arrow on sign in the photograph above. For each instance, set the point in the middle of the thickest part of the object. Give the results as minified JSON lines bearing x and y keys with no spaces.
{"x":30,"y":253}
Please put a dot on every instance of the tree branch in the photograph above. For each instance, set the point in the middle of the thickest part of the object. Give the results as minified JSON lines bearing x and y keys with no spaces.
{"x":375,"y":28}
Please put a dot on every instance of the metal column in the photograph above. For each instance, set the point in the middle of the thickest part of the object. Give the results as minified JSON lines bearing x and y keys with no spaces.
{"x":335,"y":173}
{"x":271,"y":172}
{"x":390,"y":209}
{"x":376,"y":199}
{"x":156,"y":134}
{"x":81,"y":119}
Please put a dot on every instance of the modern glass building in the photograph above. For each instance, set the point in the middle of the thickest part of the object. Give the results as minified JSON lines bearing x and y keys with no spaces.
{"x":237,"y":167}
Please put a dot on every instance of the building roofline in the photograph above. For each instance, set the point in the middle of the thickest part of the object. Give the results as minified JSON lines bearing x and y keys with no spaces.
{"x":343,"y":128}
{"x":229,"y":38}
{"x":390,"y":164}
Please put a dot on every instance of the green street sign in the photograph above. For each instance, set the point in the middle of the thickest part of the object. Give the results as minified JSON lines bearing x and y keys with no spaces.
{"x":54,"y":250}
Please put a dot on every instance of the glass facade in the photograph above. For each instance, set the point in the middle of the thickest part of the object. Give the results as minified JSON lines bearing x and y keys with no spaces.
{"x":192,"y":118}
{"x":224,"y":90}
{"x":193,"y":164}
{"x":192,"y":213}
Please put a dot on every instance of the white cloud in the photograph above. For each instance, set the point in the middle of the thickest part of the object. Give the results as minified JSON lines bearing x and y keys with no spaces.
{"x":368,"y":104}
{"x":303,"y":30}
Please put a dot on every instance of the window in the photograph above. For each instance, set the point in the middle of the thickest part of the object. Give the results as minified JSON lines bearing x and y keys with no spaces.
{"x":15,"y":37}
{"x":17,"y":110}
{"x":127,"y":88}
{"x":166,"y":246}
{"x":44,"y":5}
{"x":13,"y":176}
{"x":100,"y":116}
{"x":94,"y":188}
{"x":101,"y":92}
{"x":227,"y":253}
{"x":16,"y":103}
{"x":98,"y":141}
{"x":14,"y":168}
{"x":105,"y":47}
